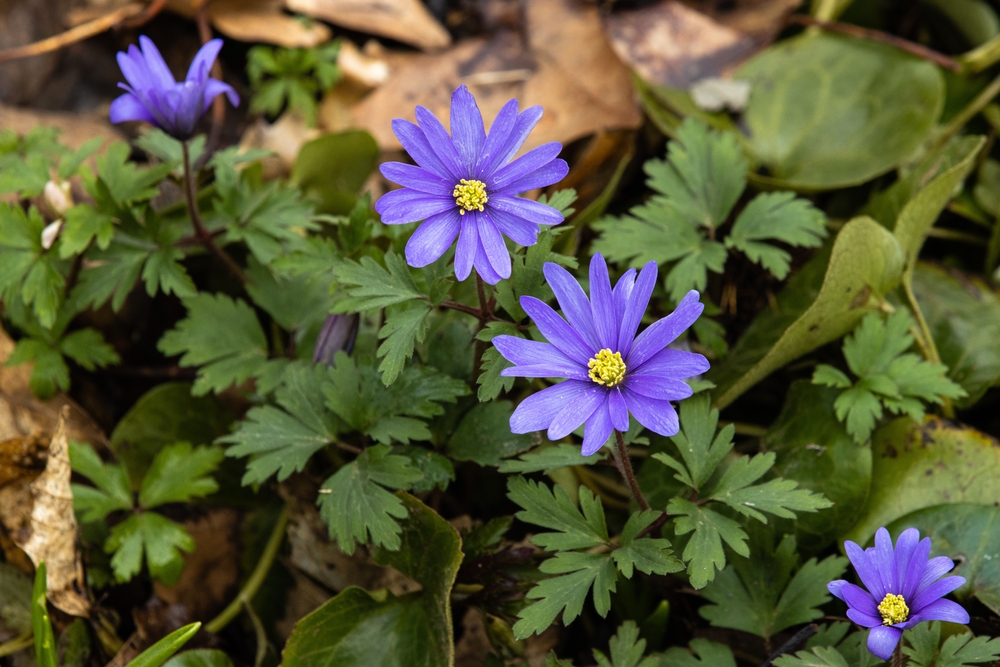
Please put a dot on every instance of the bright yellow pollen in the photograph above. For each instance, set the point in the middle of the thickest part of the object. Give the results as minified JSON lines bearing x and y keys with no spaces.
{"x":607,"y":368}
{"x":470,"y":195}
{"x":893,"y":609}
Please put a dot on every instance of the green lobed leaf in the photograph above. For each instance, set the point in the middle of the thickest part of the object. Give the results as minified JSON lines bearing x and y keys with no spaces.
{"x":710,"y":654}
{"x":125,"y":181}
{"x":357,"y":507}
{"x":550,"y":457}
{"x":158,"y":538}
{"x":404,"y":328}
{"x":703,"y":553}
{"x":484,"y":437}
{"x":646,"y":554}
{"x":577,"y":528}
{"x":113,"y":490}
{"x":369,"y":286}
{"x":84,"y":224}
{"x":776,"y":216}
{"x":626,"y":649}
{"x":566,"y":594}
{"x":179,"y":473}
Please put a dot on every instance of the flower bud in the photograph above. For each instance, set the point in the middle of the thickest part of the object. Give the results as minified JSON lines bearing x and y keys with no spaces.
{"x":338,"y":333}
{"x":58,"y":197}
{"x":50,"y":233}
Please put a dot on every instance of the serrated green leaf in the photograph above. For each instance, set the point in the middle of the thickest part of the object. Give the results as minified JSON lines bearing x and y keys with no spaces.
{"x":710,"y":654}
{"x":759,"y":595}
{"x":577,"y":528}
{"x":776,"y":216}
{"x":818,"y":657}
{"x":370,"y":286}
{"x":549,"y":458}
{"x":295,"y":302}
{"x":700,"y":447}
{"x":777,"y":496}
{"x":88,"y":348}
{"x":150,"y":534}
{"x":113,"y":490}
{"x":646,"y":554}
{"x":224,"y":337}
{"x":355,"y":505}
{"x":84,"y":224}
{"x":566,"y":594}
{"x":703,"y":553}
{"x":484,"y":437}
{"x":113,"y":273}
{"x":626,"y":649}
{"x":126,"y":182}
{"x":50,"y":372}
{"x":404,"y":328}
{"x":163,"y":270}
{"x":356,"y":394}
{"x":281,"y":441}
{"x":437,"y":470}
{"x":179,"y":473}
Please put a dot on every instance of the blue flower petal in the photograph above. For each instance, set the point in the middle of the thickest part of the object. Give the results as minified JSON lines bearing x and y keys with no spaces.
{"x":483,"y":265}
{"x":128,"y":107}
{"x":638,"y":299}
{"x":663,"y":332}
{"x":542,"y":177}
{"x":882,"y":641}
{"x":521,"y":351}
{"x":863,"y":619}
{"x":883,"y":561}
{"x":673,"y":363}
{"x":156,"y":67}
{"x":524,"y":166}
{"x":915,"y":568}
{"x":935,"y":569}
{"x":618,"y":409}
{"x":865,"y":569}
{"x":906,"y":543}
{"x":493,"y":246}
{"x":573,"y":301}
{"x":495,"y":146}
{"x":467,"y":131}
{"x":520,"y":231}
{"x":468,"y":246}
{"x":601,"y":304}
{"x":556,"y":330}
{"x":511,"y":144}
{"x":836,"y":588}
{"x":942,"y":610}
{"x":416,"y":209}
{"x":203,"y":61}
{"x":933,"y":592}
{"x":536,"y":412}
{"x":417,"y":178}
{"x":416,"y":144}
{"x":577,"y":411}
{"x":658,"y":386}
{"x":597,"y":431}
{"x":861,"y":600}
{"x":658,"y":416}
{"x":214,"y":88}
{"x":541,"y":214}
{"x":432,"y":238}
{"x":441,"y":143}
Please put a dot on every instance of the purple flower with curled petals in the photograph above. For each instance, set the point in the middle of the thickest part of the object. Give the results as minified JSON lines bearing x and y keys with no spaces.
{"x":155,"y":97}
{"x":466,"y":186}
{"x":904,"y":588}
{"x":609,"y":371}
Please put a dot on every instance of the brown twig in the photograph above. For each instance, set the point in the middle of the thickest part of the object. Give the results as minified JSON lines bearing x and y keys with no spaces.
{"x":219,"y":103}
{"x":154,"y":8}
{"x":912,"y":48}
{"x":73,"y":35}
{"x":620,"y":454}
{"x":204,"y":236}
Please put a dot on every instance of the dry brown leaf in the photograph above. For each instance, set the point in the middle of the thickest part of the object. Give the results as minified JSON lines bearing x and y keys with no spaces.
{"x":567,"y":67}
{"x":474,"y":645}
{"x":50,"y":533}
{"x":672,"y":44}
{"x":212,"y":570}
{"x":407,"y":21}
{"x":23,"y":415}
{"x":255,"y":21}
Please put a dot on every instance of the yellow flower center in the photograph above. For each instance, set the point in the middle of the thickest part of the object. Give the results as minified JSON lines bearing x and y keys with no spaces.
{"x":470,"y":195}
{"x":893,"y":609}
{"x":607,"y":368}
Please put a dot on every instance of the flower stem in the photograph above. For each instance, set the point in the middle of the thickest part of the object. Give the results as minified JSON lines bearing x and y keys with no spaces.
{"x":620,"y":454}
{"x":25,"y":641}
{"x":205,"y":238}
{"x":897,"y":655}
{"x":257,"y":577}
{"x":479,"y":349}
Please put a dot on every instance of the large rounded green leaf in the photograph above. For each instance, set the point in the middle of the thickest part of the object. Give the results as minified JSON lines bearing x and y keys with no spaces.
{"x":828,"y":111}
{"x":968,"y":534}
{"x":813,"y":449}
{"x":361,"y":629}
{"x":921,"y":465}
{"x":963,"y":314}
{"x":332,"y":168}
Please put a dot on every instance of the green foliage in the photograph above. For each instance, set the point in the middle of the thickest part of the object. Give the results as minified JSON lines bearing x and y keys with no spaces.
{"x":707,"y":652}
{"x":291,"y":77}
{"x":178,"y":474}
{"x":697,"y":187}
{"x":888,"y":376}
{"x":41,"y":625}
{"x":626,"y":649}
{"x":959,"y":650}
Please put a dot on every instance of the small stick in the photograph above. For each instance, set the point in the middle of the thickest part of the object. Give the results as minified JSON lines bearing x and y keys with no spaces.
{"x":912,"y":48}
{"x":145,"y":17}
{"x":797,"y":640}
{"x":73,"y":35}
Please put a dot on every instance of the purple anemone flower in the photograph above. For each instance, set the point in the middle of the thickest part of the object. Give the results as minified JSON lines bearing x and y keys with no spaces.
{"x":155,"y":97}
{"x":465,"y":187}
{"x":904,"y":588}
{"x":610,"y":372}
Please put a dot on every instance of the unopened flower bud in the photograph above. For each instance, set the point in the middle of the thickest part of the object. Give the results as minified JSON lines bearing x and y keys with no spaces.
{"x":50,"y":233}
{"x":338,"y":333}
{"x":58,"y":197}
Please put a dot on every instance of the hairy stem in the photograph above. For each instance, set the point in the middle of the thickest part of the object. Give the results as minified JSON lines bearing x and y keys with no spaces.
{"x":205,"y":238}
{"x":253,"y":584}
{"x":620,"y":454}
{"x":479,"y":348}
{"x":897,"y":655}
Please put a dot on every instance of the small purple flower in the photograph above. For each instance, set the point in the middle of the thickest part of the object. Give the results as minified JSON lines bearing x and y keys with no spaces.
{"x":155,"y":97}
{"x":609,"y":371}
{"x":465,"y":187}
{"x":904,"y":588}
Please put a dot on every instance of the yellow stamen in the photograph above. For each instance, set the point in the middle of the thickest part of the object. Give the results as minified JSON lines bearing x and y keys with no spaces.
{"x":607,"y":368}
{"x":470,"y":195}
{"x":893,"y":609}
